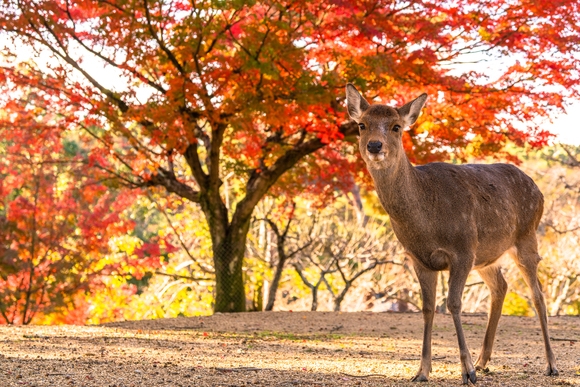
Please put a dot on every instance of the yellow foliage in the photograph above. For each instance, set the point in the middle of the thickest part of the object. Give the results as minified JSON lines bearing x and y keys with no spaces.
{"x":484,"y":34}
{"x":516,"y":305}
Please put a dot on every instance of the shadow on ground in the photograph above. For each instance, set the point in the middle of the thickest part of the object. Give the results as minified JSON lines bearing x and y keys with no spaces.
{"x":279,"y":349}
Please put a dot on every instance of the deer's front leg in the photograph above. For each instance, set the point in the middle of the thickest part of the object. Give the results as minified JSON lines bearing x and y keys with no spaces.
{"x":457,"y":277}
{"x":428,"y":282}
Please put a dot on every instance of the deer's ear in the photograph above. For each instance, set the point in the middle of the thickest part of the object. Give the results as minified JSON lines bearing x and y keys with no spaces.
{"x":410,"y":112}
{"x":355,"y":102}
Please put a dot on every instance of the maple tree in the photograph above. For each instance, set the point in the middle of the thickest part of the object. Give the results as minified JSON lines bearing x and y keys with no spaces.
{"x":57,"y":221}
{"x":204,"y":89}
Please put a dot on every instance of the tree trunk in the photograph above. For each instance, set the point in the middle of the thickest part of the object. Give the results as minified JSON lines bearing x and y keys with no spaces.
{"x":275,"y":283}
{"x":258,"y":299}
{"x":338,"y":300}
{"x":230,"y":295}
{"x":442,"y":308}
{"x":228,"y":247}
{"x":314,"y":298}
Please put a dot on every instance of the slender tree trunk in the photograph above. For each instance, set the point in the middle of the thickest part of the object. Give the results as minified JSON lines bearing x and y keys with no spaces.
{"x":314,"y":298}
{"x":275,"y":283}
{"x":228,"y":246}
{"x":338,"y":300}
{"x":258,"y":299}
{"x":557,"y":305}
{"x":443,"y":307}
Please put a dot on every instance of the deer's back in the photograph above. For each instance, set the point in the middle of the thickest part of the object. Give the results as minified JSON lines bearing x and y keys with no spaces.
{"x":487,"y":205}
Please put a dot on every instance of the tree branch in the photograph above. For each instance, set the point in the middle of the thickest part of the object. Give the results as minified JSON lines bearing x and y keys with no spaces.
{"x":192,"y":158}
{"x":169,"y":181}
{"x":259,"y":183}
{"x":562,"y":231}
{"x":162,"y":45}
{"x":176,"y":276}
{"x":150,"y":82}
{"x":178,"y":236}
{"x":67,"y":58}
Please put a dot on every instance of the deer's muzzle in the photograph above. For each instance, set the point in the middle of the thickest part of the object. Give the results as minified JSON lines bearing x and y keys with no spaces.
{"x":374,"y":146}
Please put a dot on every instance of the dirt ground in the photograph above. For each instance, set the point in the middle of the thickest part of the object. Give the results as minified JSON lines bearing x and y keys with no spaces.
{"x":280,"y":349}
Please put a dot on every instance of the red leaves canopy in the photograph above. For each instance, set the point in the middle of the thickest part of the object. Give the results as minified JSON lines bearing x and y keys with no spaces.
{"x":273,"y":72}
{"x":56,"y":220}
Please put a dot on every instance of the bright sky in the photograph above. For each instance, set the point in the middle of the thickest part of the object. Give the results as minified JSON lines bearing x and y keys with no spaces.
{"x":567,"y":126}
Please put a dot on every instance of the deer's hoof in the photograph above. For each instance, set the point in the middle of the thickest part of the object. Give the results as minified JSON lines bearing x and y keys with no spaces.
{"x":480,"y":368}
{"x":552,"y":371}
{"x":469,"y":377}
{"x":419,"y":378}
{"x":472,"y":377}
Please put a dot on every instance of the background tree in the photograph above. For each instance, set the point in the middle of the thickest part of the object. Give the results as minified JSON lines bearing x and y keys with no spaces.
{"x":330,"y":248}
{"x":356,"y":250}
{"x":319,"y":268}
{"x":57,"y":222}
{"x":282,"y":255}
{"x":556,"y":171}
{"x":193,"y":91}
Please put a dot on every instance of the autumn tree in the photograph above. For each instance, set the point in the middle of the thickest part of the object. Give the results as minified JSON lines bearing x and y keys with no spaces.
{"x":339,"y":248}
{"x":56,"y":220}
{"x":184,"y":93}
{"x":301,"y":239}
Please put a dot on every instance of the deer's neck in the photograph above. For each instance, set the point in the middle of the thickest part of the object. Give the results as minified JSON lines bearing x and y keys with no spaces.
{"x":399,"y":190}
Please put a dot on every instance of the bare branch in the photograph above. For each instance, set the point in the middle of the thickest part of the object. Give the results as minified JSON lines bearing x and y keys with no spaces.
{"x":562,"y":231}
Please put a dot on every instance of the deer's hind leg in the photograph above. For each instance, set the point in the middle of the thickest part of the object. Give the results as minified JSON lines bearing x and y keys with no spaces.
{"x":527,"y":259}
{"x":497,"y":285}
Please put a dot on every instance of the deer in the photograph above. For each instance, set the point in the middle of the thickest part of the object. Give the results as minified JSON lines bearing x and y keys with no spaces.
{"x":454,"y":218}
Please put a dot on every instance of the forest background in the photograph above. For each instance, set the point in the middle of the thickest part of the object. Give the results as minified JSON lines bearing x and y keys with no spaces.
{"x":172,"y":158}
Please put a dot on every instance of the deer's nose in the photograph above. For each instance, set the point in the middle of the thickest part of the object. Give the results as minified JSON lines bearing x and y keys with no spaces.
{"x":374,"y":146}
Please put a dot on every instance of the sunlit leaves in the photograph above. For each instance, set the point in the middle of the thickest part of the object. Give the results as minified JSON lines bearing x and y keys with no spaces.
{"x":58,"y":221}
{"x":276,"y":67}
{"x":222,"y":102}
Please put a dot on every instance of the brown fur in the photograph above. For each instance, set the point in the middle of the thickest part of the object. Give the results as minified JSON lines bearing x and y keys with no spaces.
{"x":453,"y":217}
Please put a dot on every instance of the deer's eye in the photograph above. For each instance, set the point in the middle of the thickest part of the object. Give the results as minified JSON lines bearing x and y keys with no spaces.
{"x":396,"y":128}
{"x":362,"y":126}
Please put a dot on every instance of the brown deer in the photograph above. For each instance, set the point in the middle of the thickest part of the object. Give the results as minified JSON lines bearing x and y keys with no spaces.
{"x":453,"y":217}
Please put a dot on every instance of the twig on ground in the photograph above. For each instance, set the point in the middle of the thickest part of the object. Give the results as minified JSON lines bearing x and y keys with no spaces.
{"x":60,"y":373}
{"x":239,"y":369}
{"x":364,"y":376}
{"x":416,"y":358}
{"x":562,"y":339}
{"x":336,"y":328}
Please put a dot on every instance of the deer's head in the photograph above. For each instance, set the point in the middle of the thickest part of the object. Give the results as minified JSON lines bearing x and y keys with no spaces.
{"x":381,"y":127}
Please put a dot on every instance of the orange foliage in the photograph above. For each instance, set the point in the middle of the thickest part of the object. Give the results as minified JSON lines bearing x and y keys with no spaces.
{"x":255,"y":88}
{"x":56,"y":222}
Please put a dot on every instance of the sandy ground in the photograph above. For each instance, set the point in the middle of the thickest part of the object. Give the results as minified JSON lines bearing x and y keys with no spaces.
{"x":280,"y":349}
